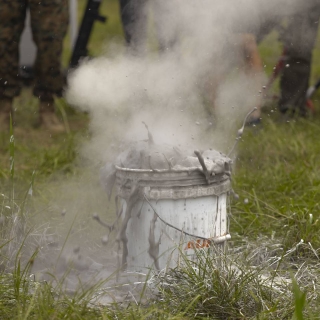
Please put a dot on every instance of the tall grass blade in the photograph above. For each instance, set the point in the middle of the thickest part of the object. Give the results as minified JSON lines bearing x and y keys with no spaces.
{"x":61,"y":108}
{"x":11,"y":153}
{"x":299,"y":301}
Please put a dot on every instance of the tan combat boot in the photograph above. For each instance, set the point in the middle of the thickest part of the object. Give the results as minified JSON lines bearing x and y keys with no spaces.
{"x":5,"y":111}
{"x":48,"y":119}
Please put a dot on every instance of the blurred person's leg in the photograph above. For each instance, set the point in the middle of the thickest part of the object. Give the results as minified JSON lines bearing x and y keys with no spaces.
{"x":49,"y":22}
{"x":166,"y":24}
{"x":299,"y":41}
{"x":253,"y":69}
{"x":12,"y":17}
{"x":134,"y":21}
{"x":240,"y":53}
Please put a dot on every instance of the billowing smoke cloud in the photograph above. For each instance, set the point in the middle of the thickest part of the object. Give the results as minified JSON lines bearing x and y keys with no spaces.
{"x":193,"y":92}
{"x":198,"y":79}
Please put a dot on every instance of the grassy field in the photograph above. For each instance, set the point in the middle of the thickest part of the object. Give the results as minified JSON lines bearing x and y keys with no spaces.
{"x":271,"y":270}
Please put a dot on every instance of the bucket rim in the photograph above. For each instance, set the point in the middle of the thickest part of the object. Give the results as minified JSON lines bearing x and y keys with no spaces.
{"x":159,"y":170}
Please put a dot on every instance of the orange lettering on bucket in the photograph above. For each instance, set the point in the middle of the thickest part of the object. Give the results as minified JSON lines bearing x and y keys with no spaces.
{"x":199,"y":244}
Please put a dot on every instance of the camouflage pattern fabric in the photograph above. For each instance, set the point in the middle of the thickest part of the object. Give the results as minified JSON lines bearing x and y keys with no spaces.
{"x":299,"y":39}
{"x":49,"y":21}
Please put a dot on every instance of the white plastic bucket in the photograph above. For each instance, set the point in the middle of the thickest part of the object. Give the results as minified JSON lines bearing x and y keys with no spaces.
{"x":175,"y":213}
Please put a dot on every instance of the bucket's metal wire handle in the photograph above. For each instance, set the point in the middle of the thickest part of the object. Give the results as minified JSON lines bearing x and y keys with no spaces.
{"x":97,"y":218}
{"x":240,"y":131}
{"x":215,"y":240}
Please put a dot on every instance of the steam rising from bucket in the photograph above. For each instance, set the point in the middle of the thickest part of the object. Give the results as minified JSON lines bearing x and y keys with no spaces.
{"x":170,"y":91}
{"x":186,"y":88}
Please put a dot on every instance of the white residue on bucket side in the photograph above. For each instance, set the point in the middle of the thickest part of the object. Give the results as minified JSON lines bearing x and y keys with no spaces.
{"x":153,"y":244}
{"x":146,"y":174}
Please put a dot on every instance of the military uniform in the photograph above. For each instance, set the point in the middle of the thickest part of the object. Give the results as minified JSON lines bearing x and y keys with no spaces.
{"x":299,"y":39}
{"x":49,"y":20}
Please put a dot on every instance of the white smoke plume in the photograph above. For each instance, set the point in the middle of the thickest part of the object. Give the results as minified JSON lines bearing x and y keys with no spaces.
{"x":194,"y":92}
{"x":198,"y":80}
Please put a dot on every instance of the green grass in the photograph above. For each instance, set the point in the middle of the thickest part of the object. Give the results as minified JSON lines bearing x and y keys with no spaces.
{"x":281,"y":181}
{"x":269,"y":273}
{"x":276,"y":171}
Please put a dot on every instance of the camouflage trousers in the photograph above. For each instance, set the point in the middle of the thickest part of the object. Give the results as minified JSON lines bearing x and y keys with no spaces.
{"x":49,"y":21}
